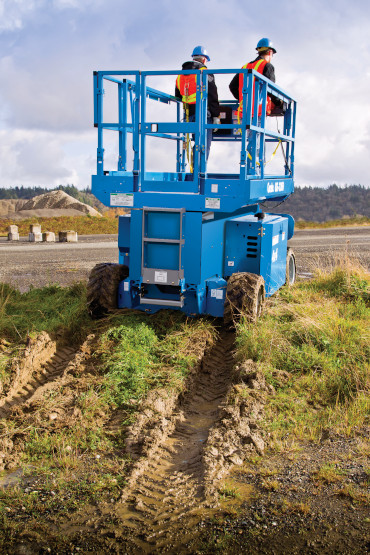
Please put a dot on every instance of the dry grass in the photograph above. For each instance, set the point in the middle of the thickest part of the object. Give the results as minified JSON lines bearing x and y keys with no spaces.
{"x":344,"y":222}
{"x":296,"y":507}
{"x":83,"y":225}
{"x":329,"y":474}
{"x":314,"y":347}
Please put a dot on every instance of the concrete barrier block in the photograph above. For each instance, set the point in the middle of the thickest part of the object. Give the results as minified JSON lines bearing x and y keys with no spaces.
{"x":13,"y":229}
{"x":68,"y":236}
{"x":35,"y":237}
{"x":13,"y":236}
{"x":35,"y":228}
{"x":48,"y":237}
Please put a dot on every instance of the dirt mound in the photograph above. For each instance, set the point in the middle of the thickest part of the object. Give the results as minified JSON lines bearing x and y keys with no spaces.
{"x":9,"y":206}
{"x":60,"y":200}
{"x":42,"y":213}
{"x":52,"y":204}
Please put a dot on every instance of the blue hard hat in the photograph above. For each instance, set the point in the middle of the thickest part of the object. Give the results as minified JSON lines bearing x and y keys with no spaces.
{"x":265,"y":44}
{"x":201,"y":51}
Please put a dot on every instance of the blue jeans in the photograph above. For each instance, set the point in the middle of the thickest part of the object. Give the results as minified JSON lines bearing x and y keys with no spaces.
{"x":209,"y":134}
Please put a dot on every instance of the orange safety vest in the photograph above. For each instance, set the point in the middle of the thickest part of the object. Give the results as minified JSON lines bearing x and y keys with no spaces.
{"x":259,"y":66}
{"x":187,"y":85}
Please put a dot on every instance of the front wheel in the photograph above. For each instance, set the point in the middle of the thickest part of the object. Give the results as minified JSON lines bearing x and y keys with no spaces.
{"x":291,"y":268}
{"x":102,"y":288}
{"x":245,"y":295}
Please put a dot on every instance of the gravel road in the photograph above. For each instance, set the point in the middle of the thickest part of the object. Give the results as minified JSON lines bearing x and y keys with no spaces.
{"x":23,"y":264}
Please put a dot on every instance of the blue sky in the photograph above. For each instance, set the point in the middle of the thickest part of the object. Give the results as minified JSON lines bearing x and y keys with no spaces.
{"x":50,"y":48}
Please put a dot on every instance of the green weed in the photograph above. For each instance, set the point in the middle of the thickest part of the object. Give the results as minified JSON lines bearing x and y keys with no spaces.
{"x":127,"y":353}
{"x":228,"y":492}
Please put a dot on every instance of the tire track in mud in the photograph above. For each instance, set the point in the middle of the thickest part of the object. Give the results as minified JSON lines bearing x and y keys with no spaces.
{"x":41,"y":374}
{"x":173,"y":487}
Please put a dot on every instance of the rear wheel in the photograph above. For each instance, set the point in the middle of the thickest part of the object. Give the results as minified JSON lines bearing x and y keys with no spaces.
{"x":291,"y":268}
{"x":102,"y":288}
{"x":245,"y":295}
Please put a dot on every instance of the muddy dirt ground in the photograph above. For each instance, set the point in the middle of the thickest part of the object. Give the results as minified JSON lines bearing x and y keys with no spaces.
{"x":194,"y":474}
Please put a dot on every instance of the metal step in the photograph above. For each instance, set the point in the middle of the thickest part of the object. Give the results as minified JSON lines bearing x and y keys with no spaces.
{"x":163,"y":302}
{"x":169,"y":241}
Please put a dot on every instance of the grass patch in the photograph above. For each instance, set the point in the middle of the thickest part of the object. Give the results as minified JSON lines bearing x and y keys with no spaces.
{"x":295,"y":507}
{"x":136,"y":355}
{"x":228,"y":491}
{"x":314,"y":347}
{"x":354,"y":494}
{"x":4,"y":364}
{"x":271,"y":485}
{"x":329,"y":474}
{"x":50,"y":309}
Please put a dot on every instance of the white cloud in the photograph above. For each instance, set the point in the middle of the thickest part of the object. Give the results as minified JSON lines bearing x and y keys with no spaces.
{"x":41,"y":158}
{"x":14,"y":12}
{"x":49,"y":49}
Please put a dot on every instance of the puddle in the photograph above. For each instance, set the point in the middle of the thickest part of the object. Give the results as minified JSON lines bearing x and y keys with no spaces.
{"x":234,"y":493}
{"x":10,"y":479}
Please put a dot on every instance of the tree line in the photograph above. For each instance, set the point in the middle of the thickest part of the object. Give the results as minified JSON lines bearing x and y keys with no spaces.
{"x":314,"y":204}
{"x":311,"y":204}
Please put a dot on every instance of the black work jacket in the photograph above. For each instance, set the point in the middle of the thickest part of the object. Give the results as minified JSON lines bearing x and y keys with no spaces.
{"x":268,"y":71}
{"x":213,"y":105}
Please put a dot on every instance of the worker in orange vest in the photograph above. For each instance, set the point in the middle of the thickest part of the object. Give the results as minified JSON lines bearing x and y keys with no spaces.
{"x":263,"y":65}
{"x":186,"y":91}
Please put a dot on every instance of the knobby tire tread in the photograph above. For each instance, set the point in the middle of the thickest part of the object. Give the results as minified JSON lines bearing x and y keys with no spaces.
{"x":242,"y":297}
{"x":102,"y":288}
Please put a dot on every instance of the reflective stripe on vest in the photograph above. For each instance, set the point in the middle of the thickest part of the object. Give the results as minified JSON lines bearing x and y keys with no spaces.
{"x":259,"y":66}
{"x":187,"y":85}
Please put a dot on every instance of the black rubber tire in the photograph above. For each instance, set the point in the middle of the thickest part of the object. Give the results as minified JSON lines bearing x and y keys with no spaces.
{"x":102,"y":288}
{"x":245,"y":295}
{"x":291,"y":268}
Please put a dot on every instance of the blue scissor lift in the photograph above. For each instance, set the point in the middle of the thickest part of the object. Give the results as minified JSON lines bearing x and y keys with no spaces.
{"x":192,"y":240}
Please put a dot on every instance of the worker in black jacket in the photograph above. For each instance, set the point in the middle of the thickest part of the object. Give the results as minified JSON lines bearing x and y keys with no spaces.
{"x":186,"y":90}
{"x":263,"y":65}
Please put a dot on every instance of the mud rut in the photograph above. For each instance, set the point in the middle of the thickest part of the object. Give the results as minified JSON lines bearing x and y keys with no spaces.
{"x":43,"y":374}
{"x":161,"y":506}
{"x":168,"y":498}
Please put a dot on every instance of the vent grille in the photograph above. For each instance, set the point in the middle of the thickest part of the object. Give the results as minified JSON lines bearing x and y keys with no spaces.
{"x":252,"y":245}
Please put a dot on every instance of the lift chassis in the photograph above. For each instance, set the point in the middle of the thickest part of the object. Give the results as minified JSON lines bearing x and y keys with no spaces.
{"x":192,"y":240}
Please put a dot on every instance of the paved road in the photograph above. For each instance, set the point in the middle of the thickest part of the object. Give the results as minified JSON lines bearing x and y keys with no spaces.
{"x":322,"y":247}
{"x":24,"y":264}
